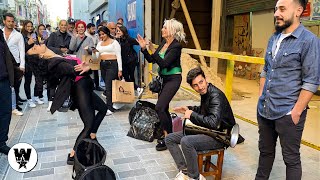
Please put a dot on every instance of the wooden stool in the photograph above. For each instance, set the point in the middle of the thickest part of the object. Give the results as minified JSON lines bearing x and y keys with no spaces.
{"x":216,"y":169}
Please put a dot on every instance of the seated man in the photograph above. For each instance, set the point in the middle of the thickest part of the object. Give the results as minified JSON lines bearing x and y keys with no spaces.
{"x":214,"y":112}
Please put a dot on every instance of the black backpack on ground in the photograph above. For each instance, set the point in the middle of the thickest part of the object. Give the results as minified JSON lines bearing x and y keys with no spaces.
{"x":89,"y":162}
{"x":144,"y":121}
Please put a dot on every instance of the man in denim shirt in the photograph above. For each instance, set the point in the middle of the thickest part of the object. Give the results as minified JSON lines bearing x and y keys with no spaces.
{"x":288,"y":81}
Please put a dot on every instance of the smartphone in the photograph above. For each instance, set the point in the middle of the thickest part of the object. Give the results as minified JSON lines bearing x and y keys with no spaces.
{"x":44,"y":34}
{"x":34,"y":36}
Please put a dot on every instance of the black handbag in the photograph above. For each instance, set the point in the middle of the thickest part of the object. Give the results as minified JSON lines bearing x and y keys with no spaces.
{"x":156,"y":84}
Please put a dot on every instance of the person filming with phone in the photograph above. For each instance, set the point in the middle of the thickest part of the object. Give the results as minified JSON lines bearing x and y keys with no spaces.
{"x":30,"y":38}
{"x":42,"y":34}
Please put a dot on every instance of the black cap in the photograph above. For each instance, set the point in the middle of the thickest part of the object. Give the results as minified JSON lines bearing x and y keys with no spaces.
{"x":71,"y":21}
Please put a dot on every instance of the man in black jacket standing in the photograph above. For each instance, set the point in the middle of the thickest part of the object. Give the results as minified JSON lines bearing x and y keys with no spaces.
{"x":214,"y":113}
{"x":6,"y":80}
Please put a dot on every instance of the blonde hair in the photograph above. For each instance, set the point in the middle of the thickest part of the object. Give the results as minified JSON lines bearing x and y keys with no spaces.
{"x":175,"y":29}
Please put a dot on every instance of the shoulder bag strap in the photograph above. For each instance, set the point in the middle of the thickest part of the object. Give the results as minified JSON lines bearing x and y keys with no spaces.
{"x":85,"y":37}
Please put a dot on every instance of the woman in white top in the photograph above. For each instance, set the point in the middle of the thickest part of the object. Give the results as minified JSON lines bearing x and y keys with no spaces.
{"x":109,"y":51}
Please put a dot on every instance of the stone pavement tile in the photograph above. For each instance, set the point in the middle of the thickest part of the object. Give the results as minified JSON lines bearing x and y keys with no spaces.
{"x":126,"y":160}
{"x":49,"y":144}
{"x":66,"y":124}
{"x":69,"y":146}
{"x":129,"y":178}
{"x":46,"y":159}
{"x":171,"y":174}
{"x":119,"y":149}
{"x":138,"y":152}
{"x":63,"y":169}
{"x":35,"y":141}
{"x":160,"y":168}
{"x":143,"y":164}
{"x":62,"y":157}
{"x":47,"y":120}
{"x":119,"y":168}
{"x":132,"y":173}
{"x":53,"y":164}
{"x":115,"y":155}
{"x":42,"y":172}
{"x":62,"y":138}
{"x":151,"y":156}
{"x":159,"y":176}
{"x":61,"y":143}
{"x":3,"y":164}
{"x":45,"y":149}
{"x":13,"y":175}
{"x":104,"y":137}
{"x":165,"y":160}
{"x":144,"y":146}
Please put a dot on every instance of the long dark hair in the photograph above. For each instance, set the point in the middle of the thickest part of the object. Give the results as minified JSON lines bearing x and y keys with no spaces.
{"x":106,"y":31}
{"x":24,"y":31}
{"x":124,"y":30}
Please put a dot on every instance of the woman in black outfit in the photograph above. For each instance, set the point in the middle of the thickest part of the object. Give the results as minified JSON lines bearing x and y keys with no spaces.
{"x":65,"y":72}
{"x":128,"y":54}
{"x":167,"y":56}
{"x":27,"y":32}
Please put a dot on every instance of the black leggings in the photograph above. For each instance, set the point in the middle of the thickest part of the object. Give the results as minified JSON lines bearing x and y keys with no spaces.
{"x":171,"y":84}
{"x":87,"y":102}
{"x":128,"y":73}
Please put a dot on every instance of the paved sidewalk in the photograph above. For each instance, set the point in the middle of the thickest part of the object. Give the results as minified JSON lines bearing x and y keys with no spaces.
{"x":53,"y":136}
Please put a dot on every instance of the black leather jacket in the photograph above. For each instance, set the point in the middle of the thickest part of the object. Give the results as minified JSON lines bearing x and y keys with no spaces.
{"x":214,"y":111}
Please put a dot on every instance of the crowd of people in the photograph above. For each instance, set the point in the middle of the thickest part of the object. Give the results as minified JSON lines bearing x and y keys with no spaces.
{"x":290,"y":76}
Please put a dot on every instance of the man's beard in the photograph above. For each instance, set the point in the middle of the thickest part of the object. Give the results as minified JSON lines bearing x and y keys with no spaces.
{"x":92,"y":33}
{"x":287,"y":23}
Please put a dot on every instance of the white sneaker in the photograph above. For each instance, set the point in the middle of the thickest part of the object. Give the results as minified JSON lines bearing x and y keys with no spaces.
{"x":36,"y":99}
{"x":201,"y":177}
{"x":117,"y":106}
{"x":140,"y":91}
{"x":181,"y":176}
{"x":49,"y":106}
{"x":31,"y":103}
{"x":109,"y":113}
{"x":103,"y":95}
{"x":16,"y":112}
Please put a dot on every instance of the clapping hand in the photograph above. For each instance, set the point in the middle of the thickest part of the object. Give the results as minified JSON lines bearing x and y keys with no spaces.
{"x":142,"y":42}
{"x":83,"y":67}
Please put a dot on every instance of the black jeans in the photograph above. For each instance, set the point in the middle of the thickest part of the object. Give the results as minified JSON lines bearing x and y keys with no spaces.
{"x":188,"y":157}
{"x":290,"y":139}
{"x":87,"y":102}
{"x":5,"y":110}
{"x":171,"y":84}
{"x":128,"y":73}
{"x":110,"y":68}
{"x":38,"y":87}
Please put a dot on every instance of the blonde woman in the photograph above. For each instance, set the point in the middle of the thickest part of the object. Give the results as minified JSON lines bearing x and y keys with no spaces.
{"x":167,"y":56}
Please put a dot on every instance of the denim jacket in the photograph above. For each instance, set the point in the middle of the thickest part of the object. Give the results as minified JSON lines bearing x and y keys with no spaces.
{"x":296,"y":66}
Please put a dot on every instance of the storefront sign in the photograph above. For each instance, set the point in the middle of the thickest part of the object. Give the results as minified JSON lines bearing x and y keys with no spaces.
{"x":132,"y":13}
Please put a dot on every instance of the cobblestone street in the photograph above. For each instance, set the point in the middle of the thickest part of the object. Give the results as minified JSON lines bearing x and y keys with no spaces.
{"x":53,"y":136}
